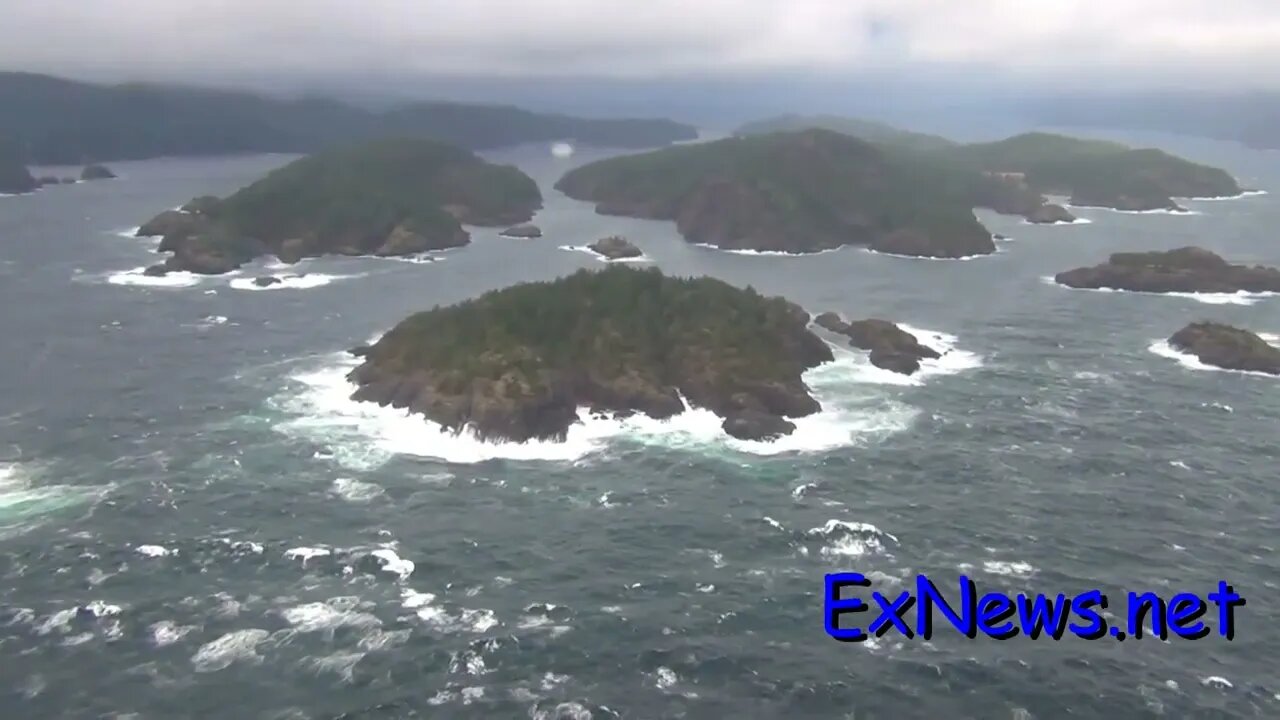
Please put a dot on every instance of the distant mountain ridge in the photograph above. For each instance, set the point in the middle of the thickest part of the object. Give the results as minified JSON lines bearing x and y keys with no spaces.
{"x":57,"y":121}
{"x":871,"y":131}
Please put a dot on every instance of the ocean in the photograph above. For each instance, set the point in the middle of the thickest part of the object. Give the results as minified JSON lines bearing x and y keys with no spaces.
{"x":195,"y":521}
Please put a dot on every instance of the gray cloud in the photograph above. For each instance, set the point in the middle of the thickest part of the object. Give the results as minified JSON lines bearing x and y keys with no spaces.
{"x":1203,"y":43}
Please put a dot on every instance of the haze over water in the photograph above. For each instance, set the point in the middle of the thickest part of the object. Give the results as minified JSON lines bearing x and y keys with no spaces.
{"x":195,"y":522}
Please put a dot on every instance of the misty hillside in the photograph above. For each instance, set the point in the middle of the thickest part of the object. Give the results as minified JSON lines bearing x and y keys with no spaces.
{"x":56,"y":121}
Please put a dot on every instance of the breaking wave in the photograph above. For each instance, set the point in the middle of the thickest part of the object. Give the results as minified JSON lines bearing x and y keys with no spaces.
{"x":1237,"y":298}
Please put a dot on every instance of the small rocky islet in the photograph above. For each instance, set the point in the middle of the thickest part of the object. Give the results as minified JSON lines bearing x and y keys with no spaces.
{"x":615,"y":247}
{"x":383,"y":198}
{"x":516,"y":364}
{"x":890,"y":347}
{"x":1182,"y":270}
{"x":1227,"y":347}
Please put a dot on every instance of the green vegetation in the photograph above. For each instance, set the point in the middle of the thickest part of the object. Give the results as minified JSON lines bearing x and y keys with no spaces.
{"x":516,"y":363}
{"x":869,"y":130}
{"x":64,"y":122}
{"x":14,"y":177}
{"x":1097,"y":172}
{"x":799,"y":192}
{"x":389,"y":197}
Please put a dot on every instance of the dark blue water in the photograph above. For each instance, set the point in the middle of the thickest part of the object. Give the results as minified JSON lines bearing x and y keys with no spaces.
{"x":179,"y":464}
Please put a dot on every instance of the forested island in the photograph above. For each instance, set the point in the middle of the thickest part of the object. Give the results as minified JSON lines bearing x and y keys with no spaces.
{"x":1185,"y":270}
{"x":517,"y":363}
{"x":63,"y":122}
{"x":1090,"y":172}
{"x":15,"y":179}
{"x":1227,"y":347}
{"x":796,"y":192}
{"x":388,"y":198}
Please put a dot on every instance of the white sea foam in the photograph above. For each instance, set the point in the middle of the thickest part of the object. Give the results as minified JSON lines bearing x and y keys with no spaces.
{"x":1216,"y":681}
{"x":341,"y":664}
{"x":167,"y":632}
{"x":767,"y":253}
{"x":393,"y":563}
{"x":329,"y":615}
{"x":850,"y":538}
{"x":356,"y":490}
{"x":963,"y":258}
{"x":22,"y":500}
{"x":1016,"y":569}
{"x":289,"y":282}
{"x":238,"y":646}
{"x":154,"y":551}
{"x":1241,"y":196}
{"x":135,"y":278}
{"x":1187,"y":360}
{"x":1158,"y":211}
{"x":1236,"y":298}
{"x":306,"y":553}
{"x":666,"y":678}
{"x":642,"y":258}
{"x":132,"y":233}
{"x":953,"y":360}
{"x":1077,"y":221}
{"x":774,"y":524}
{"x":366,"y":435}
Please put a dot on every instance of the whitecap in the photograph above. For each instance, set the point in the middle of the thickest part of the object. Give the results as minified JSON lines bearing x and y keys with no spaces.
{"x":22,"y":501}
{"x":132,"y":234}
{"x":289,"y":282}
{"x":1216,"y":681}
{"x":329,"y":615}
{"x":605,"y":502}
{"x":100,"y":609}
{"x":641,"y":258}
{"x":167,"y":632}
{"x":1192,"y":362}
{"x":356,"y":490}
{"x":306,"y":553}
{"x":60,"y":621}
{"x":238,"y":646}
{"x":774,"y":524}
{"x":154,"y":551}
{"x":1223,"y":298}
{"x":666,"y":678}
{"x":393,"y":563}
{"x":801,"y":490}
{"x":135,"y":277}
{"x":471,"y":694}
{"x":850,"y":538}
{"x":341,"y":664}
{"x":1015,"y":569}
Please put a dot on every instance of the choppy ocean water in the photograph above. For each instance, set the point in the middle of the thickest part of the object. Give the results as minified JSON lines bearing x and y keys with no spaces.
{"x":195,"y":521}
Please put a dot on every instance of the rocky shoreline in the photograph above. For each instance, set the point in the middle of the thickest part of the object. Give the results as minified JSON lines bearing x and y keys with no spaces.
{"x":1183,"y":270}
{"x":1227,"y":347}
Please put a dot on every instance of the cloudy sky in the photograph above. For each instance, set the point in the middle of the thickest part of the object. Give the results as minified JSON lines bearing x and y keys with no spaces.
{"x":1205,"y":43}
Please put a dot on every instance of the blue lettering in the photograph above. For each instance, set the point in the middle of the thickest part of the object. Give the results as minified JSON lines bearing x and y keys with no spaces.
{"x":893,"y":610}
{"x":834,"y":605}
{"x":1042,"y":613}
{"x":966,"y":621}
{"x":1139,"y":605}
{"x":1187,"y":608}
{"x":996,"y":608}
{"x":1227,"y":600}
{"x":1083,"y":605}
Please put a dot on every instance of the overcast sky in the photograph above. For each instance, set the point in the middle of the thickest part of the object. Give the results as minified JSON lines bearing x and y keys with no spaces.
{"x":1202,"y":43}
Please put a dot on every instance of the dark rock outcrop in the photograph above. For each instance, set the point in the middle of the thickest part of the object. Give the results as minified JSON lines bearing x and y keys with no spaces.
{"x":267,"y":281}
{"x":615,"y":342}
{"x":522,"y":231}
{"x":15,"y":179}
{"x":944,"y":244}
{"x":96,"y":172}
{"x":1227,"y":347}
{"x":891,"y":347}
{"x":1121,"y":201}
{"x":1187,"y":269}
{"x":1049,"y":214}
{"x":615,"y":247}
